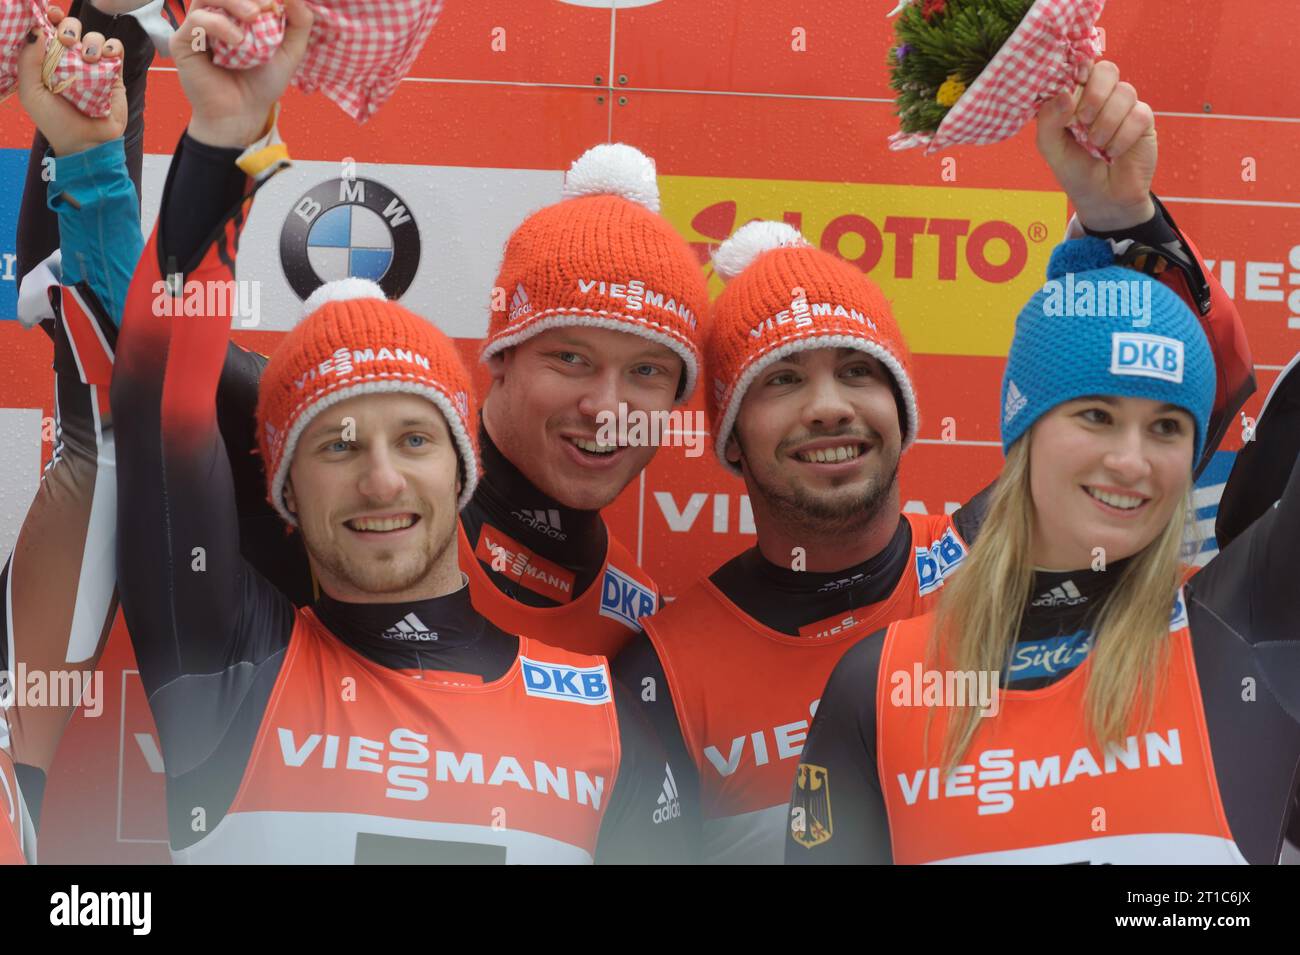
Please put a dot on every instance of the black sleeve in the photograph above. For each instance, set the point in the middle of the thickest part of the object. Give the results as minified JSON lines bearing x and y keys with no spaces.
{"x":1251,"y":584}
{"x":31,"y":786}
{"x":645,"y":822}
{"x":637,"y":666}
{"x":278,"y":556}
{"x":639,"y":669}
{"x":970,"y":516}
{"x":1263,"y":465}
{"x":842,"y":742}
{"x":212,"y":185}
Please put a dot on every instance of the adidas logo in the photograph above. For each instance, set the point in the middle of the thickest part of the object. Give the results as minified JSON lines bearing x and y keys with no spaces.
{"x":410,"y":627}
{"x":670,"y":807}
{"x":1066,"y":595}
{"x":519,"y":304}
{"x":1015,"y":402}
{"x":543,"y":521}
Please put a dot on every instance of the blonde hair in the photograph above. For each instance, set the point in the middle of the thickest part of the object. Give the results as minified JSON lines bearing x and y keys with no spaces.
{"x":981,"y":608}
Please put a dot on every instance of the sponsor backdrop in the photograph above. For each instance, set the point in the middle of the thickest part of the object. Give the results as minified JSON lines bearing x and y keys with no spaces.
{"x":755,"y":109}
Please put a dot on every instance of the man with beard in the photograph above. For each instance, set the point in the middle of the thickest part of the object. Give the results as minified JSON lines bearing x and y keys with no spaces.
{"x":812,"y":403}
{"x":388,"y":721}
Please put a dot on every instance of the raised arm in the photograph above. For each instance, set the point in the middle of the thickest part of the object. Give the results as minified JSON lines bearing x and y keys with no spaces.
{"x":57,"y":599}
{"x":193,"y":605}
{"x":1114,"y":201}
{"x":1251,"y":584}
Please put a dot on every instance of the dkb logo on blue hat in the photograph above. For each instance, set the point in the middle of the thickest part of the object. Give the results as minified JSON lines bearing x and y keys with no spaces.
{"x":1147,"y":356}
{"x":1059,"y":354}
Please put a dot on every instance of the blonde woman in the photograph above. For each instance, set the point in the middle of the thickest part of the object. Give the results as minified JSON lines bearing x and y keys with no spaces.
{"x":1077,"y":696}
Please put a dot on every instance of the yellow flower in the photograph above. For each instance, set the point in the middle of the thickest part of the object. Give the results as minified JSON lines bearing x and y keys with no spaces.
{"x":950,"y":91}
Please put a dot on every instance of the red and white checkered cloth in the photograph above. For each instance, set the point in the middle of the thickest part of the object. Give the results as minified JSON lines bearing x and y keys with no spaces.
{"x":89,"y":85}
{"x":15,"y":20}
{"x":259,"y":44}
{"x":1041,"y":58}
{"x":358,"y":52}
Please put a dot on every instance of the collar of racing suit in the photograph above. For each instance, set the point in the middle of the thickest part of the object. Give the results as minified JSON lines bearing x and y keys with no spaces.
{"x":786,"y":600}
{"x":506,"y":500}
{"x":441,"y":633}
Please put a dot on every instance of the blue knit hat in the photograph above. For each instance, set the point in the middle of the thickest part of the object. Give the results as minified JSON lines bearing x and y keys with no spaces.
{"x":1096,"y":328}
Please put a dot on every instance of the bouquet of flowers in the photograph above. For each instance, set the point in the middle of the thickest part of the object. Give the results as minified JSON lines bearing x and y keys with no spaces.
{"x":976,"y":71}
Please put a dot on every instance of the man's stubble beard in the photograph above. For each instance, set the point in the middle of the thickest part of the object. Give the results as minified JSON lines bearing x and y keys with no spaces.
{"x":801,"y":510}
{"x":377,"y":577}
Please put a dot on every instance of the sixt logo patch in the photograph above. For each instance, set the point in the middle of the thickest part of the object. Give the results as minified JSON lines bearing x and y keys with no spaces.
{"x":1178,"y":616}
{"x":936,"y":562}
{"x":1146,"y":356}
{"x":624,"y":599}
{"x":589,"y":685}
{"x":1042,"y":658}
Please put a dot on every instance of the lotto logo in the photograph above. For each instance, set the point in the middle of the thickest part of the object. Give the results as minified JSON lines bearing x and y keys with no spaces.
{"x":588,"y":685}
{"x":624,"y":599}
{"x":935,"y":562}
{"x":1146,"y":356}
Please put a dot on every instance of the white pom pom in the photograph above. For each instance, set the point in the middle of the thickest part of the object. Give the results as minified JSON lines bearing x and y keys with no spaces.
{"x":749,"y":242}
{"x":340,"y":290}
{"x":615,"y":169}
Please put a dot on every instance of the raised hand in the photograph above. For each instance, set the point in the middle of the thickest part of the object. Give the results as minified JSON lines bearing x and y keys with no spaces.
{"x":231,"y":106}
{"x":66,"y":128}
{"x":1107,"y":197}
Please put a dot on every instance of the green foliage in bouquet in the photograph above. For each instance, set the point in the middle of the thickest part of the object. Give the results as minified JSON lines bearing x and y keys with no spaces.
{"x":943,"y":45}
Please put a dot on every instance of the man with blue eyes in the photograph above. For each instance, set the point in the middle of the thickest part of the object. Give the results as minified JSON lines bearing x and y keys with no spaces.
{"x":597,"y":316}
{"x":387,"y":719}
{"x":812,"y":403}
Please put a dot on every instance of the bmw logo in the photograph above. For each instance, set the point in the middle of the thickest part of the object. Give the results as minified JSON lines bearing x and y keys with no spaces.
{"x":350,"y":227}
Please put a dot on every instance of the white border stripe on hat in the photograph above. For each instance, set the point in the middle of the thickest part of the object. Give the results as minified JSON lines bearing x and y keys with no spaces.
{"x":379,"y":384}
{"x":602,"y":318}
{"x":813,"y":340}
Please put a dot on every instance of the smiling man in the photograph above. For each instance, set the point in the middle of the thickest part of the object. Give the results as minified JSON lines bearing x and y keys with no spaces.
{"x":598,"y":313}
{"x":812,"y":403}
{"x":388,"y":720}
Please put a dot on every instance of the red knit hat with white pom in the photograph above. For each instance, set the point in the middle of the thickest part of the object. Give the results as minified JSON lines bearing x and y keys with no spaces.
{"x":603,"y":257}
{"x":354,"y":341}
{"x":784,"y":296}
